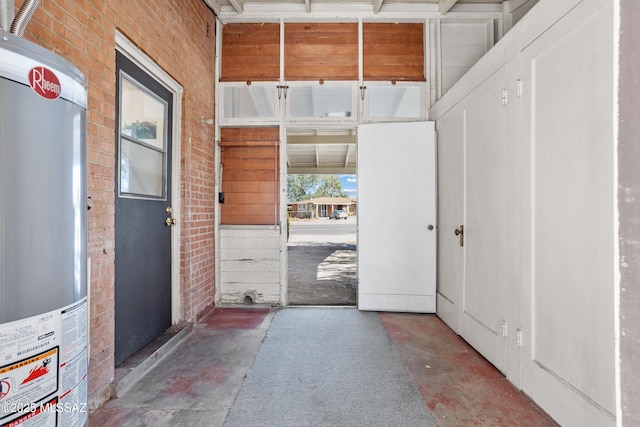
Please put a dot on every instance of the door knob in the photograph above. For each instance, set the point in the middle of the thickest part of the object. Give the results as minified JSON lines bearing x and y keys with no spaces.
{"x":171,"y":220}
{"x":460,"y":232}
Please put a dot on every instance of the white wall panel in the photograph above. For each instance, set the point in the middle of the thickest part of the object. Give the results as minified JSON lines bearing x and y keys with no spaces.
{"x":463,"y":44}
{"x":540,"y":214}
{"x":250,"y":264}
{"x":573,"y":211}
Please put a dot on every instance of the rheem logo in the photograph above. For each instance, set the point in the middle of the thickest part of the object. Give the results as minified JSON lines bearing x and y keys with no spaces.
{"x":44,"y":82}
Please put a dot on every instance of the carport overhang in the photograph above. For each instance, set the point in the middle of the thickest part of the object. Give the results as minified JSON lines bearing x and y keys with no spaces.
{"x":321,"y":151}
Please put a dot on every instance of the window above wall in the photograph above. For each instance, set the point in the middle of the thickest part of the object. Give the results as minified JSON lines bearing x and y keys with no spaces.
{"x":256,"y":101}
{"x":330,"y":102}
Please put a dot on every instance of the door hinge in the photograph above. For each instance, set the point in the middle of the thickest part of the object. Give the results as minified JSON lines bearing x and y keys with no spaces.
{"x":504,"y":328}
{"x":518,"y":88}
{"x":504,"y":96}
{"x":518,"y":337}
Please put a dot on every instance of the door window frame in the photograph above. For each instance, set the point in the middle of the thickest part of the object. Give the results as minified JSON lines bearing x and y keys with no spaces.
{"x":132,"y":195}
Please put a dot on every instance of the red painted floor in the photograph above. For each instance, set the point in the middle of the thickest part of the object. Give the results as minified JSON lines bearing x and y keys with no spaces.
{"x":459,"y":386}
{"x":235,"y":318}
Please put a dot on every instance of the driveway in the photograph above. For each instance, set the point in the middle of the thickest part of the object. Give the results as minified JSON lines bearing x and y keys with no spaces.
{"x":322,"y":262}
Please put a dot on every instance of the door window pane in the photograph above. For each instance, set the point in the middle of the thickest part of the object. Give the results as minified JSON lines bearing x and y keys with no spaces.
{"x":142,"y":116}
{"x":141,"y":169}
{"x":394,"y":102}
{"x":143,"y":124}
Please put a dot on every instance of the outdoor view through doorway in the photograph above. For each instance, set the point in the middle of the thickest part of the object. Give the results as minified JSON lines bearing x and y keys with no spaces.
{"x":321,"y":246}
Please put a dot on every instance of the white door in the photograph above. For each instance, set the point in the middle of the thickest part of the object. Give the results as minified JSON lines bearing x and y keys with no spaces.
{"x":450,"y":131}
{"x":489,"y":266}
{"x":569,"y":341}
{"x":397,"y":217}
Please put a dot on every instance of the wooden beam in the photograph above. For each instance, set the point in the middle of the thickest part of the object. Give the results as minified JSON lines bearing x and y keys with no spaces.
{"x":322,"y":170}
{"x":214,"y":5}
{"x":377,"y":4}
{"x":321,"y":139}
{"x":445,"y":5}
{"x":238,"y":5}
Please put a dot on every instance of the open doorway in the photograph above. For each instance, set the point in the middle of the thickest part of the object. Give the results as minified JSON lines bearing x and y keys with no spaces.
{"x":322,"y":217}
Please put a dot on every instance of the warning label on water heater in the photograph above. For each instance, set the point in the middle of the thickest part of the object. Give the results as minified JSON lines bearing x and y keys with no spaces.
{"x":43,"y":369}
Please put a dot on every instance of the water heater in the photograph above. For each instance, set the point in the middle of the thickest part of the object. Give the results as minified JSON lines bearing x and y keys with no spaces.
{"x":43,"y":237}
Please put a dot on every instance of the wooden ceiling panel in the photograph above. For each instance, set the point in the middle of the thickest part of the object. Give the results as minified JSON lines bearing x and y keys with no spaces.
{"x":393,"y":51}
{"x":250,"y":52}
{"x":321,"y":51}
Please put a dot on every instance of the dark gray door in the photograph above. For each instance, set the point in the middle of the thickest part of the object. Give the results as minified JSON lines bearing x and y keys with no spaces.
{"x":143,"y":204}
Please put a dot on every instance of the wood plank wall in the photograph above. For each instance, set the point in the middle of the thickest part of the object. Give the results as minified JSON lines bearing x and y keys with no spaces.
{"x":250,"y":176}
{"x":322,"y":51}
{"x":250,"y":52}
{"x":315,"y":51}
{"x":393,"y":51}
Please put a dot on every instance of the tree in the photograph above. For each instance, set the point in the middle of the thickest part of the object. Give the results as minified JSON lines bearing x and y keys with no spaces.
{"x":330,"y":186}
{"x":300,"y":187}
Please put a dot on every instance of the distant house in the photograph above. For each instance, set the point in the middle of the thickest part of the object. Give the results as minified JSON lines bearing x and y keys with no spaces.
{"x":322,"y":207}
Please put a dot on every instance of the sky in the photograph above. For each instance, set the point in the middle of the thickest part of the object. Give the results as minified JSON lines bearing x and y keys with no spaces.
{"x":349,"y":184}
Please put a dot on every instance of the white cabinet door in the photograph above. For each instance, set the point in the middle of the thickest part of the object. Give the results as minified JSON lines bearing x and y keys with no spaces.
{"x":568,"y":352}
{"x":397,"y":217}
{"x":450,"y":136}
{"x":488,"y":212}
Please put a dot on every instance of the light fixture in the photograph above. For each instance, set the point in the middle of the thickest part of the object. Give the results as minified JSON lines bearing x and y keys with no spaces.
{"x":204,"y":121}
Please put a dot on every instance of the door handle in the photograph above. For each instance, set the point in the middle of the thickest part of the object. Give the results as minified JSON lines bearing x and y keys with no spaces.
{"x":171,"y":220}
{"x":460,"y":232}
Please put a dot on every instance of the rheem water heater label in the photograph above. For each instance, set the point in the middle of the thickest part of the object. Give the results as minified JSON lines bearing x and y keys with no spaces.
{"x":43,"y":369}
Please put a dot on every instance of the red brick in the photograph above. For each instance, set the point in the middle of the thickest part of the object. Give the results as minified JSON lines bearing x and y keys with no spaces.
{"x":83,"y":32}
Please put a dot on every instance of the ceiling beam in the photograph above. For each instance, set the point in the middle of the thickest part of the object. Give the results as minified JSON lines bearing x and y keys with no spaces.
{"x":321,"y":139}
{"x":214,"y":5}
{"x":321,"y":171}
{"x":377,"y":5}
{"x":445,"y":5}
{"x":238,"y":5}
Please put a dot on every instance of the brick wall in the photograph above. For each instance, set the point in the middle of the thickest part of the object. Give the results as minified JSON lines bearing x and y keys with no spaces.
{"x":179,"y":35}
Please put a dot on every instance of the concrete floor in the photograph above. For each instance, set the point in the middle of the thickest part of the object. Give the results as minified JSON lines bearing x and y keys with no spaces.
{"x":197,"y":383}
